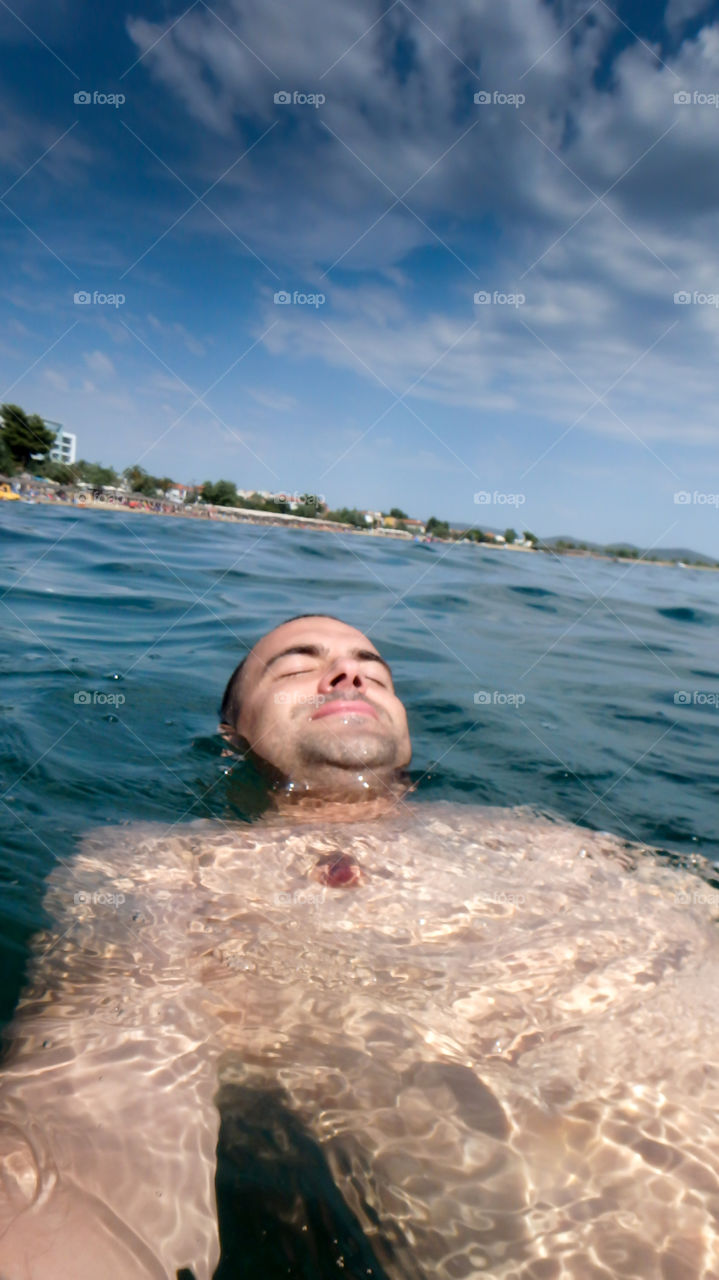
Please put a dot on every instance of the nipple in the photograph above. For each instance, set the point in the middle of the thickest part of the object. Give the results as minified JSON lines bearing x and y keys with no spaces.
{"x":338,"y":870}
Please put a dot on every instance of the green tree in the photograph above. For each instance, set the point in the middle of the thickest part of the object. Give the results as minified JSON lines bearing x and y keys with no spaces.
{"x":256,"y":502}
{"x":8,"y":466}
{"x":59,"y":471}
{"x":437,"y":528}
{"x":165,"y":483}
{"x":530,"y":537}
{"x":276,"y":505}
{"x":24,"y":434}
{"x":95,"y":474}
{"x":221,"y":493}
{"x":348,"y":515}
{"x":135,"y":477}
{"x":398,"y":513}
{"x":140,"y":481}
{"x":309,"y":505}
{"x":510,"y":535}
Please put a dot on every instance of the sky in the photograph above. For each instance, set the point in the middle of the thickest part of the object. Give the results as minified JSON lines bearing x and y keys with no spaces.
{"x":460,"y":259}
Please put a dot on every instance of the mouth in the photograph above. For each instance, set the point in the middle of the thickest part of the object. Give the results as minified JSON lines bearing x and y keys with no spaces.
{"x":354,"y":707}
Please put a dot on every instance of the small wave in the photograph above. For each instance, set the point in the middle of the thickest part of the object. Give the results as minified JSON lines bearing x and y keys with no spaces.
{"x":532,"y":591}
{"x":684,"y":613}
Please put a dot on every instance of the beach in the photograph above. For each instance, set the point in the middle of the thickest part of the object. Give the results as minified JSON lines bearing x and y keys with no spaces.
{"x":247,"y":515}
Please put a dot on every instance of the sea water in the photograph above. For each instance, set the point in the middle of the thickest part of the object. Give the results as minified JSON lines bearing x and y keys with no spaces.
{"x":577,"y":687}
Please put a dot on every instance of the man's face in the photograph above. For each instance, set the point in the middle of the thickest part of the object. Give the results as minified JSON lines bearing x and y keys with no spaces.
{"x":315,"y":695}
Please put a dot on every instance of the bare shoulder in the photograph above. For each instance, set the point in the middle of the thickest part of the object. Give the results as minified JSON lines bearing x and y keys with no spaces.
{"x":545,"y":835}
{"x":124,"y":902}
{"x":133,"y":857}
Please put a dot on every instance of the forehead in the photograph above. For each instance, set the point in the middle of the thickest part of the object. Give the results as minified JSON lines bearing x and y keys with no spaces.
{"x":324,"y":631}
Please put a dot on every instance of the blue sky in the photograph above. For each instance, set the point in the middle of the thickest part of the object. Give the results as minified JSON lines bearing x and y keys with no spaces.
{"x":582,"y":190}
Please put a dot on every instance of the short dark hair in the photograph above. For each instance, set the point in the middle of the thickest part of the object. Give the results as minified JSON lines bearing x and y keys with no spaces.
{"x":231,"y":699}
{"x":230,"y":705}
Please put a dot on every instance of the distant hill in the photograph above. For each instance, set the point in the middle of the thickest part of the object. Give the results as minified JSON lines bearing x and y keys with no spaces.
{"x":655,"y":553}
{"x":689,"y":557}
{"x":570,"y":537}
{"x":488,"y":528}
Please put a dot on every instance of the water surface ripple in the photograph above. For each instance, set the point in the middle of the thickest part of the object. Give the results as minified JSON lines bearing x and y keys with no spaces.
{"x":161,"y":610}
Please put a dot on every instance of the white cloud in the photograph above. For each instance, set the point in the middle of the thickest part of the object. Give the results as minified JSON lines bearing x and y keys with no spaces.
{"x":16,"y":326}
{"x":165,"y":382}
{"x":331,"y":173}
{"x":273,"y":400}
{"x":56,"y":379}
{"x":24,"y":140}
{"x":98,"y":363}
{"x":680,"y":12}
{"x":555,"y":358}
{"x":500,"y":199}
{"x":176,"y":330}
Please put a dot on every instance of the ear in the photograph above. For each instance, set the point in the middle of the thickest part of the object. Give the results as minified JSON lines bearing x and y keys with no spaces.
{"x":232,"y":738}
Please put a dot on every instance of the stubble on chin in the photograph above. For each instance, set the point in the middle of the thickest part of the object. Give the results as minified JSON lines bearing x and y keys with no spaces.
{"x":346,"y":750}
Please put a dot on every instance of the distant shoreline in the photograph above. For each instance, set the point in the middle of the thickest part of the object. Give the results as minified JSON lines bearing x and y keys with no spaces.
{"x":247,"y":515}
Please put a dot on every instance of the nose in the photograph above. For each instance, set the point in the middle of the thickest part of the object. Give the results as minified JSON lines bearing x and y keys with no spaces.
{"x":344,"y":674}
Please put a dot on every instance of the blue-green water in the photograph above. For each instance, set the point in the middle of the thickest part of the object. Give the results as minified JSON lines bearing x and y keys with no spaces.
{"x":160,"y":610}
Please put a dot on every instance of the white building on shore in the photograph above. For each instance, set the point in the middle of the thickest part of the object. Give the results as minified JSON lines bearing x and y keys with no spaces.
{"x":65,"y":446}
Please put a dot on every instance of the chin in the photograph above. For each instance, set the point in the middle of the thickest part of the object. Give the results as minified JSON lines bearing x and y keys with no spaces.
{"x":369,"y":753}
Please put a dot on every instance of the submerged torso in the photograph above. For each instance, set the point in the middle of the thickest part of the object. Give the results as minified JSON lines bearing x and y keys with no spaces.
{"x":502,"y":1035}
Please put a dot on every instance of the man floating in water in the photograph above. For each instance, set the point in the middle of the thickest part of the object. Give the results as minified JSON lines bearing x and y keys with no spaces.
{"x":362,"y":1036}
{"x":333,"y":734}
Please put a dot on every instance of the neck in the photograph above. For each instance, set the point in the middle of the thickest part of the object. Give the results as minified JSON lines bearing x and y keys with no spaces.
{"x":349,"y":798}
